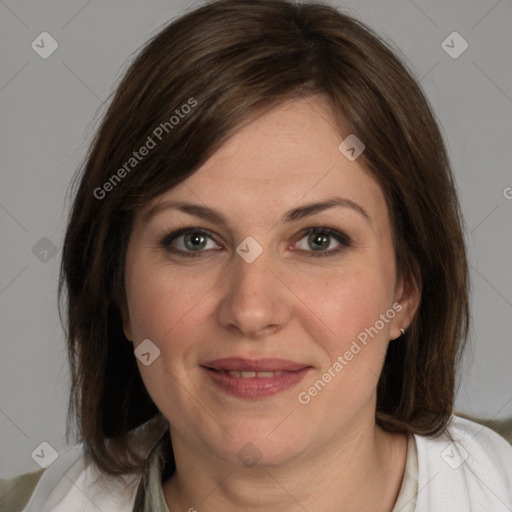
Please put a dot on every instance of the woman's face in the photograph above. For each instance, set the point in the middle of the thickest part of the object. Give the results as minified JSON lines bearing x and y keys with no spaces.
{"x":247,"y":289}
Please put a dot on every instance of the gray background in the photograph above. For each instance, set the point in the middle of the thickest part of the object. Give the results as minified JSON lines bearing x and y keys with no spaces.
{"x":49,"y":109}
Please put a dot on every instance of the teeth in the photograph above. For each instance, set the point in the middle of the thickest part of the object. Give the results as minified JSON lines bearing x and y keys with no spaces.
{"x":251,"y":375}
{"x":267,"y":374}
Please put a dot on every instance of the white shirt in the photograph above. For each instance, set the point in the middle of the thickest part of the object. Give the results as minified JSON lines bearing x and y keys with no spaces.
{"x":466,"y":469}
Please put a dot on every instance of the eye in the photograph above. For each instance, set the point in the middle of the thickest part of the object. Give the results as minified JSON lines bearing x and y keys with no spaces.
{"x":319,"y":239}
{"x":192,"y":242}
{"x":188,"y":241}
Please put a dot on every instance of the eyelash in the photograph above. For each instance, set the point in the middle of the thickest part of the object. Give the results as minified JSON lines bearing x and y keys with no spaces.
{"x":344,"y":241}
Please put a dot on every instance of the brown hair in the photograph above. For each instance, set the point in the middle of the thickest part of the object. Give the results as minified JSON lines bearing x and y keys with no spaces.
{"x":231,"y":60}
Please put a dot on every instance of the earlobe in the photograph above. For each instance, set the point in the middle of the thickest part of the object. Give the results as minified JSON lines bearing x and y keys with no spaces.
{"x":409,"y":297}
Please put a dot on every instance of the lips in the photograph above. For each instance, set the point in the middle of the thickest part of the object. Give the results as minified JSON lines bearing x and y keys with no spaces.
{"x":254,"y":378}
{"x":250,"y":374}
{"x":239,"y":364}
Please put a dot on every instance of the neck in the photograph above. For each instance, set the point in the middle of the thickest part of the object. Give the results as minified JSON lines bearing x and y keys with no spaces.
{"x":363,"y":471}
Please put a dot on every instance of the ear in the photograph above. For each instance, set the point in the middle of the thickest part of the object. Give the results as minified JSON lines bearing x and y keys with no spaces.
{"x":408,"y":295}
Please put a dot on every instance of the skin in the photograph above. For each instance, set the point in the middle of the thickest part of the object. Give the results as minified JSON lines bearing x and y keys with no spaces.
{"x":327,"y":455}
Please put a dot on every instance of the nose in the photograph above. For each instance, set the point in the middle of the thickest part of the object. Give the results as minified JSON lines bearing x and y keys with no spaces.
{"x":255,"y":301}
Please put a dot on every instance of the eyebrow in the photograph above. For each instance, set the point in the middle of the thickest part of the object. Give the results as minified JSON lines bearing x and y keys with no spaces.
{"x":295,"y":214}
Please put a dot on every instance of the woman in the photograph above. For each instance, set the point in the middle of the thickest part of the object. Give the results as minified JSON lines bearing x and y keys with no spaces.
{"x":267,"y":284}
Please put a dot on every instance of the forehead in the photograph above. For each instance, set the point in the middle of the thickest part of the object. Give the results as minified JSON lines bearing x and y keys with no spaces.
{"x":296,"y":137}
{"x":283,"y":157}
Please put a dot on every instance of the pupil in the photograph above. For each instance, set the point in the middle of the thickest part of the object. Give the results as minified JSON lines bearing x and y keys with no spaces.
{"x":195,"y":241}
{"x":322,"y":240}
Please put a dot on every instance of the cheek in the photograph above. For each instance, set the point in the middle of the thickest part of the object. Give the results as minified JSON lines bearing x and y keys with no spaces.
{"x":164,"y":307}
{"x":160,"y":300}
{"x":169,"y":308}
{"x":357,"y":307}
{"x":352,"y":301}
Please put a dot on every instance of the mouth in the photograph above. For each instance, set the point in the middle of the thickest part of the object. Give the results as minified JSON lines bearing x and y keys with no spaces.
{"x":240,"y":364}
{"x":254,"y":378}
{"x":244,"y":374}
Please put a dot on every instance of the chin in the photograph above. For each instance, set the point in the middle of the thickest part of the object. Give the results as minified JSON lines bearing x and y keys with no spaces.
{"x":260,"y":446}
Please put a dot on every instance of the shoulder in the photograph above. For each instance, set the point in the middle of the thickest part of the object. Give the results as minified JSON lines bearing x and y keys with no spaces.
{"x":502,"y":427}
{"x":482,"y":445}
{"x":15,"y":492}
{"x":466,"y":466}
{"x":72,"y":482}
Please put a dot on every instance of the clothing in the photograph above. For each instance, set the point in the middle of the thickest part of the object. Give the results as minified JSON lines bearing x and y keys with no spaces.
{"x":15,"y":492}
{"x":467,"y":468}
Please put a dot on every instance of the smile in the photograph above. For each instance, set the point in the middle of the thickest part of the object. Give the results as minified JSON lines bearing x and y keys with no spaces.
{"x":254,"y":378}
{"x":250,"y":374}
